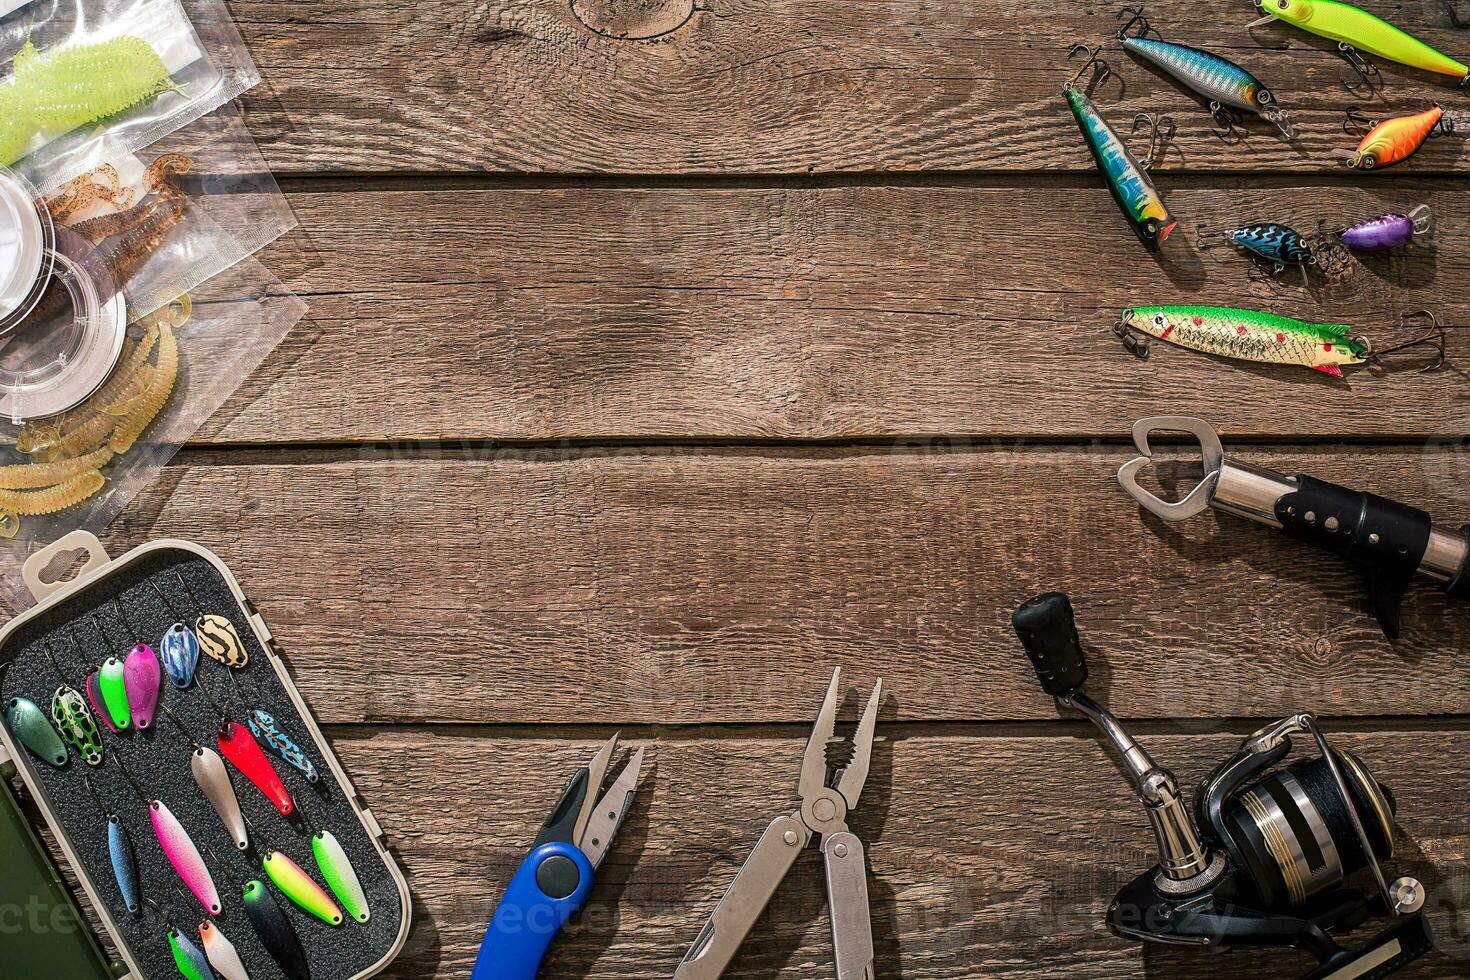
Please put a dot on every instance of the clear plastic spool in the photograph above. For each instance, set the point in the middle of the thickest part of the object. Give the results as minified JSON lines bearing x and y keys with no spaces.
{"x":67,"y":348}
{"x":27,"y":248}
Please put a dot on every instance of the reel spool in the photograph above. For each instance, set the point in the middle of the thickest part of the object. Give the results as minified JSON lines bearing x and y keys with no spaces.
{"x":62,"y":317}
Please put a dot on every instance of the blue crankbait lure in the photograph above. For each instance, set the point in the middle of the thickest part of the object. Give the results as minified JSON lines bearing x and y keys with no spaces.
{"x":1228,"y":87}
{"x":264,"y":727}
{"x":1126,"y":177}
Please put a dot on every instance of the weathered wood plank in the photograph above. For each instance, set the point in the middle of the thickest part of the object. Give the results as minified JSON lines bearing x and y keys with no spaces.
{"x":731,"y":86}
{"x":685,"y":588}
{"x":1003,"y":871}
{"x":846,"y":311}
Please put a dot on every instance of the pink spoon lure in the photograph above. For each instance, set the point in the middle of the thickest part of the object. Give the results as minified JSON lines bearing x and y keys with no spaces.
{"x":179,"y":848}
{"x":142,"y":677}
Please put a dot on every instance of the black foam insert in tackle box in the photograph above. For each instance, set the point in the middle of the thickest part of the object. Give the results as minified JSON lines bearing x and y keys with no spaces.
{"x":103,"y":611}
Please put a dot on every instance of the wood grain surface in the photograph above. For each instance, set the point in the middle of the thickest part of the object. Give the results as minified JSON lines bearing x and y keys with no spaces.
{"x":989,"y":856}
{"x":781,"y":86}
{"x":665,"y":354}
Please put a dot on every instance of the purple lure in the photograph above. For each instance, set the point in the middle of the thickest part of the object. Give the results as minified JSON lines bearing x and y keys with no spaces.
{"x":142,"y":677}
{"x":1388,"y":231}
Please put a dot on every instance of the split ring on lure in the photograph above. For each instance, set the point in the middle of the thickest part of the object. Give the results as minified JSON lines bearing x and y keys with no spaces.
{"x":1228,"y":86}
{"x":1125,"y":176}
{"x":263,"y":726}
{"x":181,"y":852}
{"x":274,"y":930}
{"x":221,"y":952}
{"x":297,"y":885}
{"x":142,"y":678}
{"x":336,"y":867}
{"x":1394,"y":140}
{"x":28,"y":723}
{"x":1266,"y":338}
{"x":1387,"y":231}
{"x":1355,"y":31}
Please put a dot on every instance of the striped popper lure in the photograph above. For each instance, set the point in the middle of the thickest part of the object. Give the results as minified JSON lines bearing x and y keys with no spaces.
{"x":1248,"y":335}
{"x":142,"y":679}
{"x":182,"y":853}
{"x":1127,"y":179}
{"x":1386,"y":231}
{"x":180,"y":650}
{"x":1225,"y":84}
{"x":337,"y":870}
{"x":1356,"y":30}
{"x":265,"y":728}
{"x":1394,"y":140}
{"x":239,"y":746}
{"x":222,"y":955}
{"x":298,"y":886}
{"x":274,"y":930}
{"x":189,"y":959}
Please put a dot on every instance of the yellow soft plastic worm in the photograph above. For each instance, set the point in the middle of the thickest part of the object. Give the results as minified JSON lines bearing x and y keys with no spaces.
{"x":83,"y":438}
{"x":165,"y":373}
{"x":31,"y":503}
{"x":132,"y":397}
{"x":31,"y":476}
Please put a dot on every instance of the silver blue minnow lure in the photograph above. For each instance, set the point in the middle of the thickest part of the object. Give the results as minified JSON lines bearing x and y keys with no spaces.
{"x":263,"y":726}
{"x":1227,"y":85}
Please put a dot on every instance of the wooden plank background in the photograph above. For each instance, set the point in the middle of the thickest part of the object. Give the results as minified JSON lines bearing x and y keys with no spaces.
{"x":666,"y":353}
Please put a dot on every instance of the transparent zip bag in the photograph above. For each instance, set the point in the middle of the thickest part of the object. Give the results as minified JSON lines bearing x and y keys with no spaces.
{"x":90,"y":80}
{"x":166,"y":373}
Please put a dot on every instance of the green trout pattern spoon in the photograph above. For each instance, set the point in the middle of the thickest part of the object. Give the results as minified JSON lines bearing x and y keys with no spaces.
{"x":1247,"y":335}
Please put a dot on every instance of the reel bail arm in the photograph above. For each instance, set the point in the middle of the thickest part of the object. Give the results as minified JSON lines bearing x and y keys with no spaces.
{"x":1391,"y":541}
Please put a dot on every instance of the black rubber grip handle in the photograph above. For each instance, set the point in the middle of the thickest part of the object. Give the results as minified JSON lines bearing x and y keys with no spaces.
{"x":1049,"y":633}
{"x":1385,"y":537}
{"x":1459,"y":586}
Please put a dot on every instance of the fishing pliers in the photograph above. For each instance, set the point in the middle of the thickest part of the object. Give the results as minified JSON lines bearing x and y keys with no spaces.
{"x":827,"y":794}
{"x":553,"y":882}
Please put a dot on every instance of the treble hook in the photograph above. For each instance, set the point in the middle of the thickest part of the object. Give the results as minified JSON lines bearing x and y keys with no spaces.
{"x":1135,"y":16}
{"x":1226,"y":123}
{"x":1094,"y":60}
{"x":1444,"y":127}
{"x":1161,"y":134}
{"x":1356,"y":122}
{"x":1133,"y":345}
{"x":1365,"y":69}
{"x":1435,"y":335}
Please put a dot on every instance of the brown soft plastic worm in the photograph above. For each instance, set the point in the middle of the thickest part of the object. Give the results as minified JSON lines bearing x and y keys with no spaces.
{"x":30,"y":476}
{"x":80,"y":193}
{"x":165,"y":373}
{"x":159,"y":176}
{"x":105,"y":226}
{"x":125,"y":253}
{"x":30,"y":503}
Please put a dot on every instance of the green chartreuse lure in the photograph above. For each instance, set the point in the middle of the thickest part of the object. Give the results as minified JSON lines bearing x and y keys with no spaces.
{"x":1248,"y":335}
{"x":340,"y":876}
{"x":112,"y":680}
{"x":296,"y":885}
{"x":74,"y":85}
{"x":1358,"y":29}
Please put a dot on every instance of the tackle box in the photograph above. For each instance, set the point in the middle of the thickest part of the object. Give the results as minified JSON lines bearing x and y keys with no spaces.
{"x":76,"y":625}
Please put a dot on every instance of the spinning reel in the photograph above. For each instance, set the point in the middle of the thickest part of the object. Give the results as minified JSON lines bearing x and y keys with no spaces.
{"x":1263,"y":857}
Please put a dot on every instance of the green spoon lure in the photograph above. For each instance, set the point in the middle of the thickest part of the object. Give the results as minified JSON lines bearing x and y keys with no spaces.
{"x":28,"y":723}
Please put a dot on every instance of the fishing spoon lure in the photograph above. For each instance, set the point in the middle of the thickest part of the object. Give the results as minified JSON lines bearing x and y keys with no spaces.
{"x":216,"y":634}
{"x":341,"y":877}
{"x":72,"y":717}
{"x":1229,"y":88}
{"x":178,"y":846}
{"x":264,"y":727}
{"x":222,"y":955}
{"x":120,"y":852}
{"x":1386,"y":231}
{"x":179,"y":646}
{"x":1267,"y":338}
{"x":1394,"y":140}
{"x":1126,"y":177}
{"x":274,"y":930}
{"x":28,"y":722}
{"x":299,"y":887}
{"x":1356,"y":31}
{"x":213,"y":780}
{"x":239,"y":746}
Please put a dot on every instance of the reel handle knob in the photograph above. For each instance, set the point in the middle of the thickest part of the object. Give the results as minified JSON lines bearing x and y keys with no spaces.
{"x":1048,"y":631}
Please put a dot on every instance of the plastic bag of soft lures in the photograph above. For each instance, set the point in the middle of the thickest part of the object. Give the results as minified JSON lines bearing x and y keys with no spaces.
{"x":85,"y":81}
{"x":91,"y":408}
{"x":149,"y":713}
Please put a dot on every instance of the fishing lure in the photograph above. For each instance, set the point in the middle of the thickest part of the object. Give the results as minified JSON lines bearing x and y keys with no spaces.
{"x":1253,"y":336}
{"x":124,"y":863}
{"x":213,"y":780}
{"x":1356,"y":30}
{"x":336,"y":868}
{"x":72,"y":718}
{"x":143,"y":679}
{"x":180,"y":654}
{"x":98,"y":702}
{"x":161,"y":386}
{"x":217,"y":635}
{"x":28,"y":723}
{"x":1277,"y":244}
{"x":1125,"y":176}
{"x":32,"y":476}
{"x":189,"y":960}
{"x":239,"y":746}
{"x":264,"y":727}
{"x":221,"y":952}
{"x":69,"y":493}
{"x":274,"y":930}
{"x":1394,"y":140}
{"x":181,"y":852}
{"x":1228,"y":86}
{"x":1386,"y":231}
{"x":113,"y":681}
{"x":73,"y":85}
{"x":297,"y":885}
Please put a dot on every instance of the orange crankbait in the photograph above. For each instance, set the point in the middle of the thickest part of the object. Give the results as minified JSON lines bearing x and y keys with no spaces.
{"x":1395,"y":140}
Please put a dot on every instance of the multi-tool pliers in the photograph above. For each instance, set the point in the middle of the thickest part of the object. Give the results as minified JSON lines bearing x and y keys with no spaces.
{"x":827,"y":794}
{"x":1392,"y":542}
{"x":553,"y":882}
